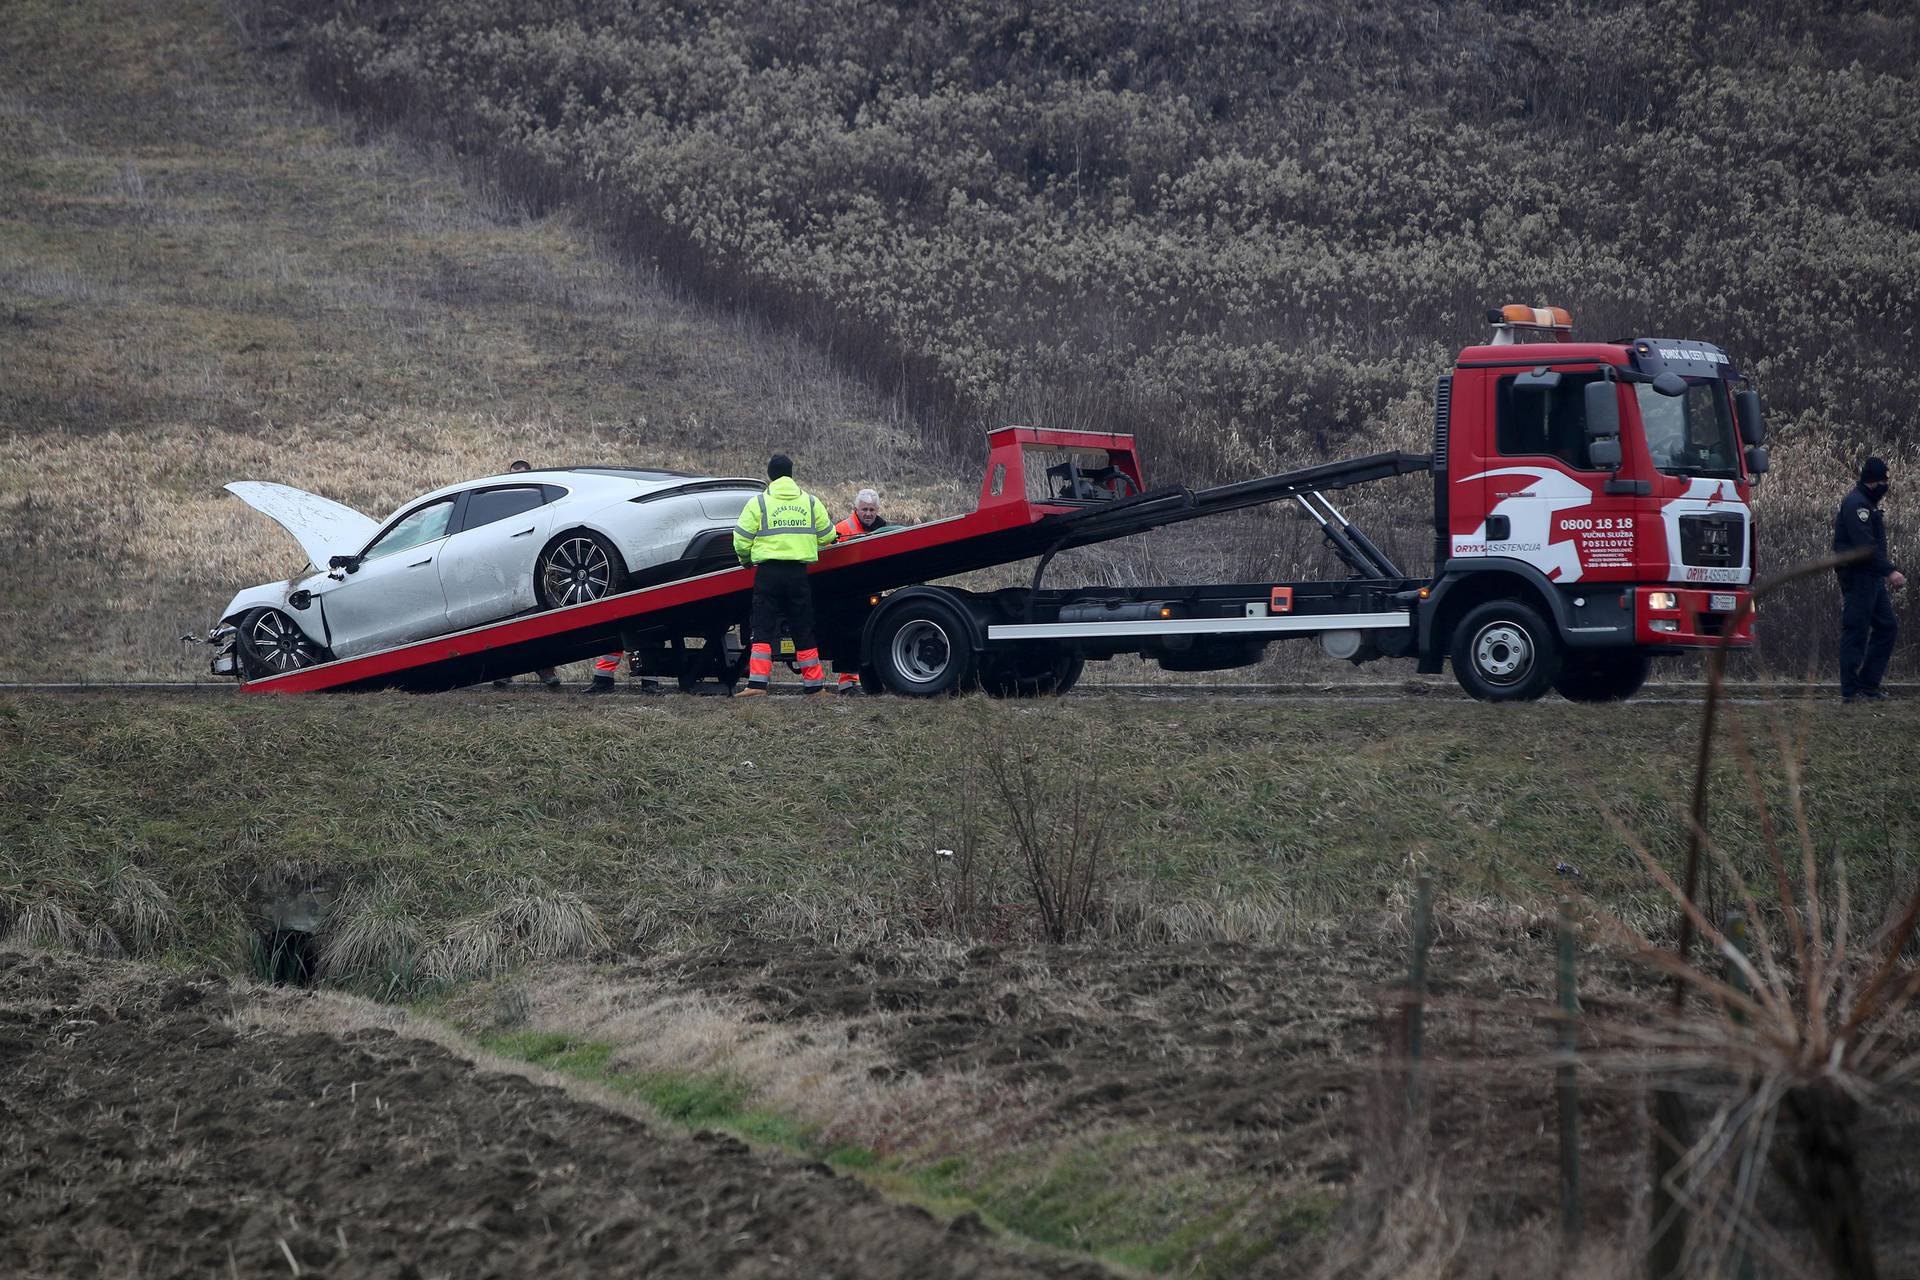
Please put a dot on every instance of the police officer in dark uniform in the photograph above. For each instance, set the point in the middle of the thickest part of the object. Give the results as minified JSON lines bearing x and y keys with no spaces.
{"x":1867,"y":624}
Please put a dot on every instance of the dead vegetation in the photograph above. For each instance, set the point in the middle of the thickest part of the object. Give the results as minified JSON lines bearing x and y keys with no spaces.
{"x":203,"y":280}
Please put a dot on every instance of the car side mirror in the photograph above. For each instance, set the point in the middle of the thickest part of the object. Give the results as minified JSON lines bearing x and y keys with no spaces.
{"x":1605,"y":454}
{"x":1746,"y":407}
{"x":1757,"y":460}
{"x":350,"y":563}
{"x":1670,"y":384}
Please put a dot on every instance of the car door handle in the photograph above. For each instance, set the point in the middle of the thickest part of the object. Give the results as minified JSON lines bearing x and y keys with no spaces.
{"x":524,"y":532}
{"x":417,"y":563}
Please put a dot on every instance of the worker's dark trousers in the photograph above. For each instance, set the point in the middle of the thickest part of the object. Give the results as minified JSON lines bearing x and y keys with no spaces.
{"x":781,"y":587}
{"x":1867,"y":629}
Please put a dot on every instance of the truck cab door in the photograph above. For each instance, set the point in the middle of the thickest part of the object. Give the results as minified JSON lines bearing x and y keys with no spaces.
{"x":1547,"y":502}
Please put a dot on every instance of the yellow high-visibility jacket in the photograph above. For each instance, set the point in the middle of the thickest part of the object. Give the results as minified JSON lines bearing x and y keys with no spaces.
{"x":784,"y":523}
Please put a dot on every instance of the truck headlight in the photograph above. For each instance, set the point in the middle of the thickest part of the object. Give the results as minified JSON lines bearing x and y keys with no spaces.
{"x":1662,"y":600}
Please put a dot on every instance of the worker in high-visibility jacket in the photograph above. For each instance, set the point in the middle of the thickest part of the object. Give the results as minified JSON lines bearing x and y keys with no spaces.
{"x":866,"y":518}
{"x":780,"y":533}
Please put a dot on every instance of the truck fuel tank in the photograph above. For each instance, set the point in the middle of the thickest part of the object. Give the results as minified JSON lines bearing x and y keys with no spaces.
{"x":1117,"y":610}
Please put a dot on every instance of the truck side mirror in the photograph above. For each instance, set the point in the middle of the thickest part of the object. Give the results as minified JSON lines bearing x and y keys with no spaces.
{"x":1542,"y":379}
{"x":1670,"y":384}
{"x":1757,"y":460}
{"x":1603,"y":410}
{"x":1605,"y":454}
{"x":1746,"y":407}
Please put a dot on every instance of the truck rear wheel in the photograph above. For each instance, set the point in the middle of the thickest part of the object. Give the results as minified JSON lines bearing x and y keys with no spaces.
{"x":1031,"y":674}
{"x":1602,"y":675}
{"x":1504,"y":651}
{"x":922,"y":650}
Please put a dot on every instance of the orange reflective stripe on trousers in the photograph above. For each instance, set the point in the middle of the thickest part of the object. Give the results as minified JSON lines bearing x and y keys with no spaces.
{"x":760,"y":664}
{"x":810,"y":669}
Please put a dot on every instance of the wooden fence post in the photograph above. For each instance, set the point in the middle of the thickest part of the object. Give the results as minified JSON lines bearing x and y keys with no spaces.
{"x":1569,"y":1089}
{"x":1737,"y":979}
{"x":1417,"y":984}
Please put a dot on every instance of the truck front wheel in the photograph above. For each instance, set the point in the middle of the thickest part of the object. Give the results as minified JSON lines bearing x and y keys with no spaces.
{"x":1504,"y":651}
{"x":922,"y":650}
{"x":1602,"y":675}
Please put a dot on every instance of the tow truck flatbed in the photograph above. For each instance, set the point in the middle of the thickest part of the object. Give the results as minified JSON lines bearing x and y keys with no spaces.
{"x":1030,"y":507}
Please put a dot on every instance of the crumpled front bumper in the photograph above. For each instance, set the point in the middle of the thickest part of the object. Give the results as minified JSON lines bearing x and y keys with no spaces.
{"x":223,"y":638}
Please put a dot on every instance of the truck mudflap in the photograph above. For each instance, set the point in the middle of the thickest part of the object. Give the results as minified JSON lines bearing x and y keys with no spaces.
{"x":1682,"y":617}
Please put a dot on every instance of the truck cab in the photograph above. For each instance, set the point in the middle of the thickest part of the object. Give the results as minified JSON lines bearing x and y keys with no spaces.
{"x":1592,"y":508}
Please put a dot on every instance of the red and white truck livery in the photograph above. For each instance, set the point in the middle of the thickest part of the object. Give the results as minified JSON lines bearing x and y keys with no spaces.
{"x":1591,"y":511}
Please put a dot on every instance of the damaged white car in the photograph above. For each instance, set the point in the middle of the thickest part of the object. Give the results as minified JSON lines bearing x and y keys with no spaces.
{"x":470,"y":554}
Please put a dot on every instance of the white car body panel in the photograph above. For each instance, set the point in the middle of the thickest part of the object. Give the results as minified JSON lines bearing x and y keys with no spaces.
{"x":323,"y":528}
{"x":488,"y":571}
{"x":390,"y":601}
{"x":480,"y":574}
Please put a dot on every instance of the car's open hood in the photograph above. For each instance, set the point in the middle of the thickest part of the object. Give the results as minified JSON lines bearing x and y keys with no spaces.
{"x":321,"y":526}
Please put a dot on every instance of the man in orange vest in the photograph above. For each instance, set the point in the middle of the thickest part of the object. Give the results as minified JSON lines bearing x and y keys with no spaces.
{"x":865,"y":519}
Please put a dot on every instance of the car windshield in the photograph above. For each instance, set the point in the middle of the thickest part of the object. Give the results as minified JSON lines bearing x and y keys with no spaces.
{"x":1692,"y":434}
{"x":419,"y":527}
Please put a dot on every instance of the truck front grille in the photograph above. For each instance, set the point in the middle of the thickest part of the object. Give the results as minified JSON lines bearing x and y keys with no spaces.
{"x":1712,"y":540}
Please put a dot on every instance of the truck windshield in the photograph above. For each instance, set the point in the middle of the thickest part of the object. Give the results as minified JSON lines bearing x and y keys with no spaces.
{"x":1690,"y":435}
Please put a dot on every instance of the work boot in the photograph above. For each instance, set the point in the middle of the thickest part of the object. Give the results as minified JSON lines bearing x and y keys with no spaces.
{"x":651,"y":687}
{"x":751,"y":691}
{"x":553,"y":683}
{"x":602,"y":684}
{"x":814,"y":689}
{"x":503,"y":684}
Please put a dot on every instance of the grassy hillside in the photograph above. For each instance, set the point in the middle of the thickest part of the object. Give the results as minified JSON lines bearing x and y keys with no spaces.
{"x":202,"y":280}
{"x":1252,"y":232}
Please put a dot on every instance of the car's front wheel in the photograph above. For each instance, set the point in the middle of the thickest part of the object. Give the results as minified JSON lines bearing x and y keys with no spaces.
{"x":269,"y":643}
{"x":578,"y":568}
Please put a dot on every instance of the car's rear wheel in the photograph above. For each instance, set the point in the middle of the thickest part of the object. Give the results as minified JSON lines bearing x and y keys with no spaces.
{"x":269,"y":643}
{"x":578,"y":567}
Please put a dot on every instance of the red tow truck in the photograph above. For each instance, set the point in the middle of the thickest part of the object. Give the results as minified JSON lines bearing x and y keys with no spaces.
{"x":1591,"y":511}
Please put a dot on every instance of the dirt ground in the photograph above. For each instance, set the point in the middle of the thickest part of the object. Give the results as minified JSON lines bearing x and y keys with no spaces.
{"x":146,"y":1134}
{"x":160,"y":1124}
{"x":1274,"y":1055}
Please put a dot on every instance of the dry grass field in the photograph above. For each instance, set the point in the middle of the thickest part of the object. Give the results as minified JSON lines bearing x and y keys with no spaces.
{"x":203,"y":280}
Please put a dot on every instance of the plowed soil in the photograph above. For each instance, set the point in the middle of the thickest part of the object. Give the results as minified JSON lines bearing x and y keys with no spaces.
{"x":146,"y":1133}
{"x":1272,"y":1053}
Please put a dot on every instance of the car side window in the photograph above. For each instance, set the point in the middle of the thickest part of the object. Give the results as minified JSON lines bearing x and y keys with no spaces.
{"x":1534,"y":422}
{"x":487,"y":505}
{"x":413,"y":529}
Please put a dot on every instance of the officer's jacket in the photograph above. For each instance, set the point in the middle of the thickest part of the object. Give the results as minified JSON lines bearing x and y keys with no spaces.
{"x":784,"y":523}
{"x":1859,"y":523}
